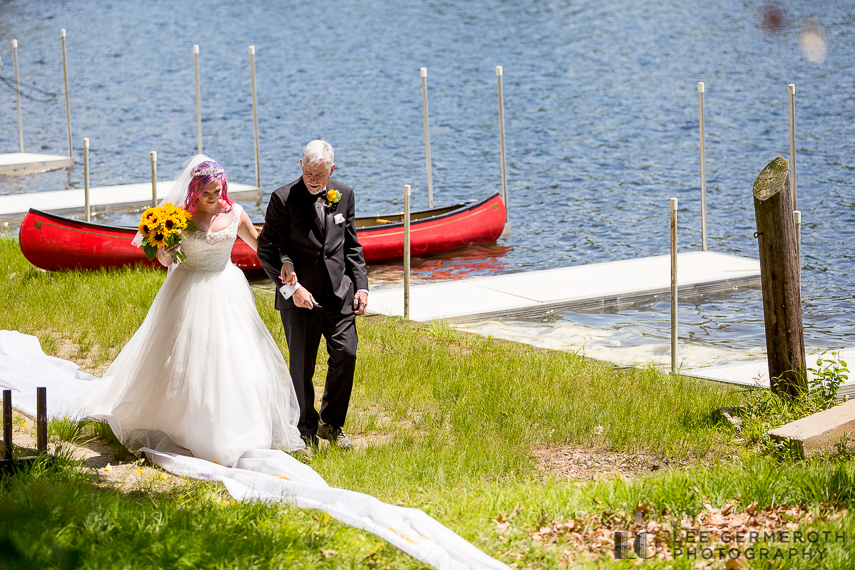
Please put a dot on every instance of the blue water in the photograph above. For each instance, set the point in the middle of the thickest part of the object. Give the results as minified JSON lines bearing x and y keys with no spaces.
{"x":600,"y":106}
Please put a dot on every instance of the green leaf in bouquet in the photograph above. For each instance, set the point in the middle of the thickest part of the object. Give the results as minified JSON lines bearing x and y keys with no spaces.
{"x":191,"y":226}
{"x":149,"y":250}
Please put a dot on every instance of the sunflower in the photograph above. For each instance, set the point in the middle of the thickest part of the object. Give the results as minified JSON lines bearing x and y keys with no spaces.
{"x":150,"y":215}
{"x":145,"y":228}
{"x":180,"y":217}
{"x":158,"y":239}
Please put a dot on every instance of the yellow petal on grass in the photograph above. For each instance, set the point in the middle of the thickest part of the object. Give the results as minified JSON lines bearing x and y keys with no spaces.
{"x":108,"y":468}
{"x":326,"y":518}
{"x":25,"y":425}
{"x":139,"y":470}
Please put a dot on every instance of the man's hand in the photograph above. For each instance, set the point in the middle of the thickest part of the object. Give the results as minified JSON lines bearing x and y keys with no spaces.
{"x":287,"y":275}
{"x":360,"y":302}
{"x":303,"y":299}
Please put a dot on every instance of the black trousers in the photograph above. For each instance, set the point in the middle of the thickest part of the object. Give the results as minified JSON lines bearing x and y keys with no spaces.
{"x":303,"y":330}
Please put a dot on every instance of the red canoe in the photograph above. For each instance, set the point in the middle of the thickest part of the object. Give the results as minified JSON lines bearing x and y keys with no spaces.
{"x":56,"y":243}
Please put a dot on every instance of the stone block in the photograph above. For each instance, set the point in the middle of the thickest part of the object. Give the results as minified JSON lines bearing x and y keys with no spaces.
{"x":820,"y":432}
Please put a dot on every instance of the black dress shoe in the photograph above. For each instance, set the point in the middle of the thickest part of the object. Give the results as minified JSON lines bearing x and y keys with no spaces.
{"x":335,"y":436}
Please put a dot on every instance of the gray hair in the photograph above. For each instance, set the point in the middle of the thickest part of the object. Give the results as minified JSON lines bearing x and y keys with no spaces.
{"x":318,"y":151}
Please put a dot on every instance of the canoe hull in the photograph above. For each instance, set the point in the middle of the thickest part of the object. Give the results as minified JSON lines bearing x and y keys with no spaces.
{"x":56,"y":243}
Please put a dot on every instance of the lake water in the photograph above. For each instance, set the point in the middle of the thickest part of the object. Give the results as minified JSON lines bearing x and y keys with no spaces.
{"x":601,"y":122}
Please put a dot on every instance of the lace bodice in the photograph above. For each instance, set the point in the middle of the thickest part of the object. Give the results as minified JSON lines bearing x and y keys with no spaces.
{"x":211,"y":251}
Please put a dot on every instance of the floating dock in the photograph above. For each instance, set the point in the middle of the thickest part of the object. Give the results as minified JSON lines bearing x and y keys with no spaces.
{"x":101,"y":199}
{"x":755,"y":373}
{"x":535,"y":294}
{"x":25,"y":163}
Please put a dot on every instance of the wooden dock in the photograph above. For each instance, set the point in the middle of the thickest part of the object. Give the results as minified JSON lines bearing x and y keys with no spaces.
{"x":25,"y":163}
{"x":535,"y":294}
{"x":101,"y":199}
{"x":756,"y":372}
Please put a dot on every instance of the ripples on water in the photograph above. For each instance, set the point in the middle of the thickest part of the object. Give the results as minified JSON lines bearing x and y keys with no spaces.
{"x":600,"y":106}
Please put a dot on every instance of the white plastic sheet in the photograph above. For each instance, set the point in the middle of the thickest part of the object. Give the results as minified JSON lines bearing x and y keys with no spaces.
{"x":262,"y":475}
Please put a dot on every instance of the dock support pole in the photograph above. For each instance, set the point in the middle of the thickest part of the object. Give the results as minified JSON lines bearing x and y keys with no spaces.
{"x":499,"y":73}
{"x":65,"y":78}
{"x":779,"y":280}
{"x":423,"y":72}
{"x":791,"y":89}
{"x":41,"y":420}
{"x":703,"y":167}
{"x":406,"y":251}
{"x":255,"y":117}
{"x":673,"y":285}
{"x":18,"y":95}
{"x":7,"y":423}
{"x":86,"y":178}
{"x":198,"y":101}
{"x":797,"y":221}
{"x":154,"y":179}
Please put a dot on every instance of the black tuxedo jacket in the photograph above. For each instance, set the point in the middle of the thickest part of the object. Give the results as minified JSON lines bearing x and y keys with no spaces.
{"x":328,"y":260}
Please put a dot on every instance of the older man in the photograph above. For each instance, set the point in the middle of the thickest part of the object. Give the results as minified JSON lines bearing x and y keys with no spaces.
{"x":309,"y":231}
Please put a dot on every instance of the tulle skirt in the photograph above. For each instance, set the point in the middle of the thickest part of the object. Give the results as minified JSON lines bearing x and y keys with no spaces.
{"x":201,"y":373}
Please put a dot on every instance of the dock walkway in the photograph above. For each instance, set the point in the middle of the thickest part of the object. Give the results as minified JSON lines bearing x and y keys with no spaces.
{"x":24,"y":163}
{"x":536,"y":293}
{"x":15,"y":206}
{"x":756,"y":372}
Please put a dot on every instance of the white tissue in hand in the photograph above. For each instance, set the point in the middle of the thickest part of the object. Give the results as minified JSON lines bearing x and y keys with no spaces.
{"x":287,"y":290}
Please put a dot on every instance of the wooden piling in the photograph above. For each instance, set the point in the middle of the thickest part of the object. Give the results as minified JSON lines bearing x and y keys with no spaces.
{"x":779,"y":277}
{"x":7,"y":423}
{"x":41,"y":420}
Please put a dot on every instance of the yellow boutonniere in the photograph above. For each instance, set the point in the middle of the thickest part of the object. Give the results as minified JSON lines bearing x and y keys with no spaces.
{"x":333,"y":196}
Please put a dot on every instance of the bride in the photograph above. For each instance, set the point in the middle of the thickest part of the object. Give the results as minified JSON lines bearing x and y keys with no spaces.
{"x":202,"y":372}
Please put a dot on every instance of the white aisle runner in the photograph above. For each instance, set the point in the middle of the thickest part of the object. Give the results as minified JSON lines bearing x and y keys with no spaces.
{"x":263,"y":474}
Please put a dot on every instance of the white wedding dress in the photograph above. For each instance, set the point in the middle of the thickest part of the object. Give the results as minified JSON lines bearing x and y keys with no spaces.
{"x":202,"y":372}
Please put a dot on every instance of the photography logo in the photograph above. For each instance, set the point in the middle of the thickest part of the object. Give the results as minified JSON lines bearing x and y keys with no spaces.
{"x":639,"y":545}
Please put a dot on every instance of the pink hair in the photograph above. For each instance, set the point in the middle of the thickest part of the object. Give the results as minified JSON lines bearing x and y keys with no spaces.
{"x":198,"y":184}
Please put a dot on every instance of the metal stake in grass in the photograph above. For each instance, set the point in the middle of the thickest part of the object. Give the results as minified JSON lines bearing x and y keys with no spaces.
{"x":86,"y":178}
{"x":41,"y":420}
{"x":153,"y":178}
{"x":7,"y":423}
{"x":406,"y":251}
{"x":703,"y":167}
{"x":18,"y":95}
{"x":673,"y":285}
{"x":254,"y":116}
{"x":198,"y":100}
{"x":423,"y":72}
{"x":65,"y":77}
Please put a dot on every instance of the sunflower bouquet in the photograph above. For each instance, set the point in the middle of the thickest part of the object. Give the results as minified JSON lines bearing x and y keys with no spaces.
{"x":162,"y":227}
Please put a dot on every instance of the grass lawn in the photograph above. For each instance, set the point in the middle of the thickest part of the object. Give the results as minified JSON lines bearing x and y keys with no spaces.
{"x":520,"y":450}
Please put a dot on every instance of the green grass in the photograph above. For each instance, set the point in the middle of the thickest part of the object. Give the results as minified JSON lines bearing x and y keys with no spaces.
{"x":455,"y":418}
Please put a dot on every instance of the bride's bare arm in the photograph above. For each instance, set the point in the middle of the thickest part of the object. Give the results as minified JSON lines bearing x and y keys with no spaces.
{"x":247,"y":231}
